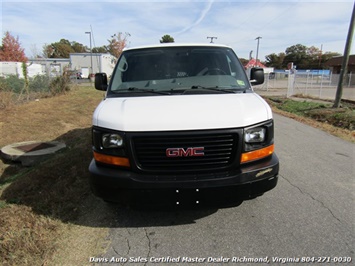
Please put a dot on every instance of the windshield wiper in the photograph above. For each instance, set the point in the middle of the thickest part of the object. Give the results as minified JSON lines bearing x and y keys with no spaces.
{"x":216,"y":88}
{"x":135,"y":89}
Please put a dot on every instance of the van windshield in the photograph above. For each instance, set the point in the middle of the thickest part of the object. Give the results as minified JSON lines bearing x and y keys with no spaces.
{"x":170,"y":70}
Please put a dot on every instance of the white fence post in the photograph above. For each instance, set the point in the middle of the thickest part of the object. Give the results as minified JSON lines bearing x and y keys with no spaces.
{"x":290,"y":84}
{"x":321,"y":86}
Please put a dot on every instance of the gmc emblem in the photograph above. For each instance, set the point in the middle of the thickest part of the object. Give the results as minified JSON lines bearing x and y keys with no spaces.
{"x":181,"y":152}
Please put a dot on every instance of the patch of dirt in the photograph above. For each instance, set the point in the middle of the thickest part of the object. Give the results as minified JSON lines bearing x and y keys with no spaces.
{"x":41,"y":207}
{"x":86,"y":238}
{"x":338,"y":117}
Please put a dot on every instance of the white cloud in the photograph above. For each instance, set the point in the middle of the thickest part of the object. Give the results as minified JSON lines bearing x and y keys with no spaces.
{"x":236,"y":23}
{"x":200,"y":18}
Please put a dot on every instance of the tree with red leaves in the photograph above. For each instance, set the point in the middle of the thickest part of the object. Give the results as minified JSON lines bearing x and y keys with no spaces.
{"x":11,"y":50}
{"x":118,"y":43}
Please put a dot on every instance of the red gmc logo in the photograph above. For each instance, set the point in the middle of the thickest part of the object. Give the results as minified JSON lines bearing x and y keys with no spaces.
{"x":181,"y":152}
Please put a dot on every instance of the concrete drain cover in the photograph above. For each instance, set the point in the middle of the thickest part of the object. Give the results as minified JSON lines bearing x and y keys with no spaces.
{"x":35,"y":146}
{"x":30,"y":152}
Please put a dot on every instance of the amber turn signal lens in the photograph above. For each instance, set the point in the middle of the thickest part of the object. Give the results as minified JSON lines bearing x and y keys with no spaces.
{"x":257,"y":154}
{"x":113,"y":160}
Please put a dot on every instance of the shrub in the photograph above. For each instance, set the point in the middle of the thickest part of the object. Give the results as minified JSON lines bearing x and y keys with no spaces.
{"x":59,"y":85}
{"x":12,"y":88}
{"x":39,"y":83}
{"x":6,"y":94}
{"x":14,"y":83}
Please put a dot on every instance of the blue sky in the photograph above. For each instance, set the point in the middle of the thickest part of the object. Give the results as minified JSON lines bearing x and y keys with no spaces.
{"x":280,"y":24}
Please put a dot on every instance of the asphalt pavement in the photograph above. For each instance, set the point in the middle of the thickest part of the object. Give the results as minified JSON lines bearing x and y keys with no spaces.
{"x":308,"y":218}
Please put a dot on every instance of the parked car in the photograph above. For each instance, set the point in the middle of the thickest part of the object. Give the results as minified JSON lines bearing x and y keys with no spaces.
{"x":79,"y":75}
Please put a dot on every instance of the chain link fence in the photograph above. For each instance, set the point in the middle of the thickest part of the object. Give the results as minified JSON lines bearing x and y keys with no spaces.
{"x":322,"y":86}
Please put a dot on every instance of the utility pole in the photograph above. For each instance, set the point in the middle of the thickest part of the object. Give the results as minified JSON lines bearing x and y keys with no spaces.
{"x":320,"y":55}
{"x":89,"y":32}
{"x":211,"y":39}
{"x":257,"y":50}
{"x":344,"y":66}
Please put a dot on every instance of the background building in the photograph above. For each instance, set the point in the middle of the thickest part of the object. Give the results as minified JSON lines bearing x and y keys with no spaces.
{"x":83,"y":63}
{"x":87,"y":63}
{"x":335,"y":64}
{"x":53,"y":67}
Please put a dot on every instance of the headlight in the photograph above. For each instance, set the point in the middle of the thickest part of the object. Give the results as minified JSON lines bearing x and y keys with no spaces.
{"x":254,"y":135}
{"x":112,"y":140}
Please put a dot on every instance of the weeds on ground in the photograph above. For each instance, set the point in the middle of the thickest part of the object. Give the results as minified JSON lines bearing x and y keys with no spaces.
{"x":59,"y":85}
{"x":26,"y":238}
{"x":6,"y":94}
{"x":301,"y":108}
{"x":36,"y":203}
{"x":40,"y":86}
{"x":341,"y":119}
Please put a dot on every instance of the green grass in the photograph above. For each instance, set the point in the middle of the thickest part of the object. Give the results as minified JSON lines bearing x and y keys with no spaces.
{"x":301,"y":108}
{"x":343,"y":117}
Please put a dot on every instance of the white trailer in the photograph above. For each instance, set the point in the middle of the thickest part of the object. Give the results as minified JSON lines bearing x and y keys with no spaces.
{"x":15,"y":68}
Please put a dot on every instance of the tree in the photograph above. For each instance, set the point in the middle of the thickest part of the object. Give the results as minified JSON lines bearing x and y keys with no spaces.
{"x":328,"y":55}
{"x":101,"y":49}
{"x":315,"y":57}
{"x":47,"y":50}
{"x":26,"y":84}
{"x":11,"y":49}
{"x":78,"y":47}
{"x":302,"y":56}
{"x":35,"y":53}
{"x":296,"y":54}
{"x":117,"y":43}
{"x":243,"y":61}
{"x":60,"y":49}
{"x":275,"y":60}
{"x":166,"y":39}
{"x":63,"y":48}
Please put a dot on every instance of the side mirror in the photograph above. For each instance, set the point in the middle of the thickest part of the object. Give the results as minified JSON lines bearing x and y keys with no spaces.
{"x":101,"y":81}
{"x":256,"y":76}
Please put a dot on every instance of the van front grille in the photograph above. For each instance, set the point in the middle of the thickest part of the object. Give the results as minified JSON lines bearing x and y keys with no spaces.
{"x":185,"y":152}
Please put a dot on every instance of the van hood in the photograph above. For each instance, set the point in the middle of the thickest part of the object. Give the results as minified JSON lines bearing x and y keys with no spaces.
{"x":181,"y":112}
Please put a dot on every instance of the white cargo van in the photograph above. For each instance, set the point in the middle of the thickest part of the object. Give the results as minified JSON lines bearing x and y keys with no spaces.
{"x":181,"y":125}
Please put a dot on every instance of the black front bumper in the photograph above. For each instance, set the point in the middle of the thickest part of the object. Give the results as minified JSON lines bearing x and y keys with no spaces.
{"x":220,"y":188}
